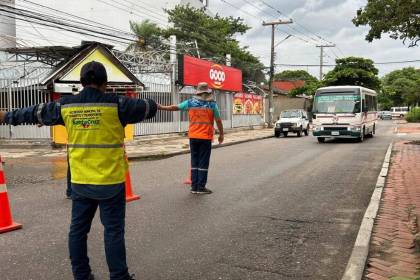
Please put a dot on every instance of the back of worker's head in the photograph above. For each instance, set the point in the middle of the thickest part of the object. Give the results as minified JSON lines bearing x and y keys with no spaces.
{"x":93,"y":74}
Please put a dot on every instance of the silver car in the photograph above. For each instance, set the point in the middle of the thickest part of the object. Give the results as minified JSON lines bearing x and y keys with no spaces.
{"x":385,"y":115}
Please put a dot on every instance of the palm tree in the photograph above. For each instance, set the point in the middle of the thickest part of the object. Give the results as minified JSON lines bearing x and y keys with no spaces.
{"x":148,"y":36}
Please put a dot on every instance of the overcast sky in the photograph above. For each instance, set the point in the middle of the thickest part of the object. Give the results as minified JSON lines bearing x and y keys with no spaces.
{"x":329,"y":19}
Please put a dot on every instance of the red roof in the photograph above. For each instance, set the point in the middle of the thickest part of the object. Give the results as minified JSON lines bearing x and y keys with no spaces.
{"x":287,"y":86}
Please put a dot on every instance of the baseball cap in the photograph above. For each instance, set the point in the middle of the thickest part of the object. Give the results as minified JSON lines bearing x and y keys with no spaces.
{"x":93,"y":73}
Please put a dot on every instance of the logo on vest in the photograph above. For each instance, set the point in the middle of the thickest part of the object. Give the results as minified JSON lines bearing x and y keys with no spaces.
{"x":217,"y":76}
{"x":86,"y":123}
{"x":86,"y":119}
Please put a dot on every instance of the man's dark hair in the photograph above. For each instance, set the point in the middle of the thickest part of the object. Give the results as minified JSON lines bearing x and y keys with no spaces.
{"x":93,"y":73}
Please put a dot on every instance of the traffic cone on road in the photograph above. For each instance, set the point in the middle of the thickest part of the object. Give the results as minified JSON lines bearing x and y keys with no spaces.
{"x":6,"y":220}
{"x":129,"y":195}
{"x":188,"y":181}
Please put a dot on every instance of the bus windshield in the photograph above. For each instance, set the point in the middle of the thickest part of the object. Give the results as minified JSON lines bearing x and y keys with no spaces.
{"x":337,"y":102}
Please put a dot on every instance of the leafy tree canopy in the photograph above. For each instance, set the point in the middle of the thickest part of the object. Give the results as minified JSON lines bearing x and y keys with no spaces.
{"x":355,"y":71}
{"x":401,"y":87}
{"x":295,"y":75}
{"x":215,"y":36}
{"x":399,"y":18}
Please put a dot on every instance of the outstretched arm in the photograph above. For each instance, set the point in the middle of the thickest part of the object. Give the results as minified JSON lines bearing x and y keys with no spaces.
{"x":133,"y":110}
{"x":44,"y":114}
{"x":168,"y":108}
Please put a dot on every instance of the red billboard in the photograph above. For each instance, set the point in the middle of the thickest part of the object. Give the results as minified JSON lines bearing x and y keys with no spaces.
{"x":192,"y":71}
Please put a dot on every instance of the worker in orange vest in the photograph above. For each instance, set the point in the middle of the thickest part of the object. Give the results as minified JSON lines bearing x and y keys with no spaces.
{"x":202,"y":112}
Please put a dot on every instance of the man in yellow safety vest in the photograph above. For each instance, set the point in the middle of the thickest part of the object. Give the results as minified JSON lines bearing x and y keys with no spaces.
{"x":95,"y":124}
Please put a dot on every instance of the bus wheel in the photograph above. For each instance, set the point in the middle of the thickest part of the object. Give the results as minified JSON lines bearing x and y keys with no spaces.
{"x":321,"y":140}
{"x":362,"y":136}
{"x":373,"y":131}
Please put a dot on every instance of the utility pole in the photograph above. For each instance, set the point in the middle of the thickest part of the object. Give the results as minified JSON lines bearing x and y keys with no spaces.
{"x":173,"y":60}
{"x":273,"y":25}
{"x":321,"y":57}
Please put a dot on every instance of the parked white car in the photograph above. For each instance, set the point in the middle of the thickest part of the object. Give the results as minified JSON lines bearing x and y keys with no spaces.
{"x":295,"y":121}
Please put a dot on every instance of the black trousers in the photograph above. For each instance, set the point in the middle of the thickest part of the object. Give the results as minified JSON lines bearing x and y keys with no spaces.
{"x":112,"y":215}
{"x":200,"y":160}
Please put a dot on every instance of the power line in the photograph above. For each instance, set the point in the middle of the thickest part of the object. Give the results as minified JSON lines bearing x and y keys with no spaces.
{"x":147,"y":8}
{"x":84,"y":21}
{"x":332,"y":65}
{"x":237,"y":8}
{"x":130,"y":10}
{"x":302,"y":26}
{"x":38,"y":18}
{"x":53,"y":24}
{"x":271,"y":16}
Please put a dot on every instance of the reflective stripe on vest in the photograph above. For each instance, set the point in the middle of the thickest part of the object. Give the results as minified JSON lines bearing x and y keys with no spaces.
{"x":96,"y":139}
{"x":201,"y":123}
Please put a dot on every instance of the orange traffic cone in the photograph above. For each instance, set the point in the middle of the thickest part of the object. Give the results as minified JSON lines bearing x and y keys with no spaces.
{"x":6,"y":221}
{"x":188,"y":181}
{"x":129,"y":195}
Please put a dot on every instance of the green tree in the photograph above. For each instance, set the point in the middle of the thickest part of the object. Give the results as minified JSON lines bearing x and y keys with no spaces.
{"x":216,"y":37}
{"x":148,"y":36}
{"x":385,"y":99}
{"x":354,"y":71}
{"x":308,"y":89}
{"x":399,"y":18}
{"x":402,"y":87}
{"x":295,"y":75}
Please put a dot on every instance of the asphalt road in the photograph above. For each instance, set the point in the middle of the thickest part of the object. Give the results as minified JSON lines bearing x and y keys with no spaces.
{"x":286,"y":208}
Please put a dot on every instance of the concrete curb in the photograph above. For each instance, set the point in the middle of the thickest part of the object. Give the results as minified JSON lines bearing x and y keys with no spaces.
{"x":187,"y":151}
{"x":357,"y":262}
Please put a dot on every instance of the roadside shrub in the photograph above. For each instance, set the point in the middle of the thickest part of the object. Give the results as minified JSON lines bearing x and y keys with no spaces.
{"x":413,"y":115}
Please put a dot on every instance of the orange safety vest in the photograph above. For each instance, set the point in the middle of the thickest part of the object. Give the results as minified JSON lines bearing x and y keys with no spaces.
{"x":201,"y":123}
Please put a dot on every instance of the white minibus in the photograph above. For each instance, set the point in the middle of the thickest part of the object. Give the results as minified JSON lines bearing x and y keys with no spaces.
{"x":399,"y":112}
{"x":344,"y":112}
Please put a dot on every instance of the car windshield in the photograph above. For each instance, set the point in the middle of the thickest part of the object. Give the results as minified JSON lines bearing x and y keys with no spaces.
{"x":335,"y":102}
{"x":290,"y":114}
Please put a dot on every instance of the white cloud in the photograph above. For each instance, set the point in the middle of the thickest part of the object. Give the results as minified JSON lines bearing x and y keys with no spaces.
{"x":330,"y":19}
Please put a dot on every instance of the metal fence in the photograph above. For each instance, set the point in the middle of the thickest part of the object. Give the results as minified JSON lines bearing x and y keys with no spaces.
{"x":164,"y":121}
{"x":20,"y":93}
{"x":27,"y":92}
{"x":174,"y":122}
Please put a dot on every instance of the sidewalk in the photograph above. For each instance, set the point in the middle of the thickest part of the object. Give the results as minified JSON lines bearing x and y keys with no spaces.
{"x":145,"y":147}
{"x":408,"y":128}
{"x":393,"y":251}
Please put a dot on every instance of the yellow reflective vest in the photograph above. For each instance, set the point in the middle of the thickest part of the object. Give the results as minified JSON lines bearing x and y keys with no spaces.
{"x":95,"y":143}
